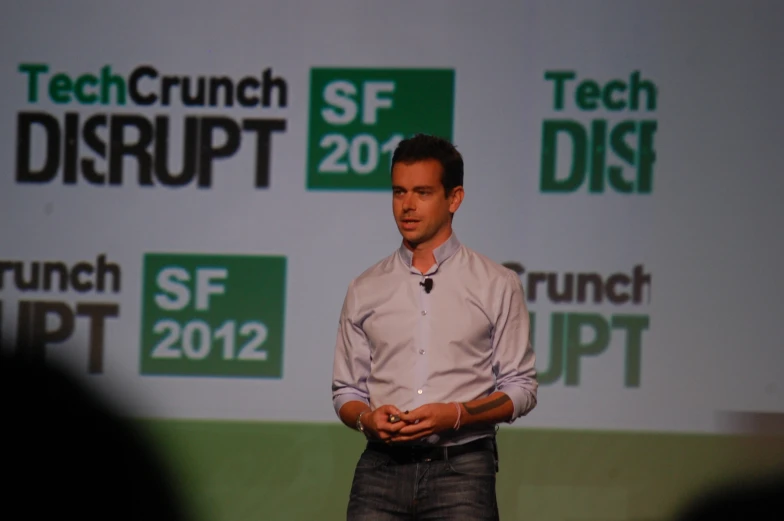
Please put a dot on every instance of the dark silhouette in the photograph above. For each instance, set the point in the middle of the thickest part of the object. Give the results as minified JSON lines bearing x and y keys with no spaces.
{"x":753,"y":498}
{"x":68,"y":455}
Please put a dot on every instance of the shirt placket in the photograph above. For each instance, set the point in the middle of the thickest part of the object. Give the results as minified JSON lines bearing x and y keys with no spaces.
{"x":423,"y":346}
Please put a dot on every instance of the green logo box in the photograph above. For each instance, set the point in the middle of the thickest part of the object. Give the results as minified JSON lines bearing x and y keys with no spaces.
{"x":213,"y":315}
{"x":358,"y":116}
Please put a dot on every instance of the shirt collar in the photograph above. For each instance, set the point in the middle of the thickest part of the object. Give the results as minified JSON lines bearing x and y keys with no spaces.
{"x":441,"y":253}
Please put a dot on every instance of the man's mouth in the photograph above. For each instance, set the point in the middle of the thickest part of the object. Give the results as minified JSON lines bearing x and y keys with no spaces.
{"x":409,"y":224}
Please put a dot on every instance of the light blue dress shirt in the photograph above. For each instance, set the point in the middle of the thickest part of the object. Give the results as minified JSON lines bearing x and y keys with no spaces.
{"x":465,"y":339}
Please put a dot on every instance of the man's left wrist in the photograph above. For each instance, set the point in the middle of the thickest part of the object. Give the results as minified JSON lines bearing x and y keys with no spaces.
{"x":458,"y":416}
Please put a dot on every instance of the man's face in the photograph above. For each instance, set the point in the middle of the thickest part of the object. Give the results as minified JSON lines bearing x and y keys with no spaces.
{"x":421,"y":209}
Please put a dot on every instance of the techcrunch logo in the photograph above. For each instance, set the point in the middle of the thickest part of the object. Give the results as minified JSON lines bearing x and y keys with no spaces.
{"x":358,"y":116}
{"x":76,"y":143}
{"x":568,"y":343}
{"x":213,"y":315}
{"x":613,"y":153}
{"x":42,"y":321}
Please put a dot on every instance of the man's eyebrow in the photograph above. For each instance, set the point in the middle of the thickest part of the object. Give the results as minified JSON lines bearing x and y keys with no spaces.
{"x":418,"y":187}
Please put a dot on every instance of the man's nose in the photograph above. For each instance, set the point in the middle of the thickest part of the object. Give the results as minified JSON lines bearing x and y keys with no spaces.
{"x":408,"y":202}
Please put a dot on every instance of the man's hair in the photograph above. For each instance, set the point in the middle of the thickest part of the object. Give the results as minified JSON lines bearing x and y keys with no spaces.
{"x":421,"y":147}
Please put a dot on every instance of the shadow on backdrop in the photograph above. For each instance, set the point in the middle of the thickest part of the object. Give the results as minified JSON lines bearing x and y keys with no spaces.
{"x":67,"y":454}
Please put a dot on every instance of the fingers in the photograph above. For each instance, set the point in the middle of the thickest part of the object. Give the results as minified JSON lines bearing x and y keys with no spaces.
{"x":390,"y":428}
{"x":389,"y":409}
{"x":381,"y":420}
{"x":414,"y":429}
{"x":417,"y":415}
{"x":400,"y":438}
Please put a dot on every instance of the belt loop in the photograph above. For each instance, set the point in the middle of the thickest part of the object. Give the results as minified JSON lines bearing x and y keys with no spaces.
{"x":446,"y":453}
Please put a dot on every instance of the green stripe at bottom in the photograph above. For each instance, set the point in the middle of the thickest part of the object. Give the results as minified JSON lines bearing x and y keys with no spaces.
{"x":235,"y":471}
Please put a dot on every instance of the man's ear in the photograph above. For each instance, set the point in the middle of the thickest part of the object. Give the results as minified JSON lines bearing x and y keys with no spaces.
{"x":456,"y":198}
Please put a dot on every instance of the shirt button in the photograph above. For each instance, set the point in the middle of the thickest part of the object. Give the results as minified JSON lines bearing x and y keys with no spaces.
{"x":424,"y":312}
{"x":419,"y":391}
{"x":421,"y":351}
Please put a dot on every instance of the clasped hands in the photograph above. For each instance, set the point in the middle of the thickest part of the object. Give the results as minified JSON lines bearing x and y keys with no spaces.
{"x":423,"y":421}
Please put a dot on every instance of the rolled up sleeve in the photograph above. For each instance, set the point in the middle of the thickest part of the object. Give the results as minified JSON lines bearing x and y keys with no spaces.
{"x":513,"y":355}
{"x":351,"y":365}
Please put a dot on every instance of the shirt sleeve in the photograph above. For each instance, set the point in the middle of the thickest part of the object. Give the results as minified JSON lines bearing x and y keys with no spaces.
{"x":352,"y":356}
{"x":513,"y":355}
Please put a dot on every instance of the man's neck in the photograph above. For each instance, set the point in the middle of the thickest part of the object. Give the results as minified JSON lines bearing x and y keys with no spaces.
{"x":423,"y":260}
{"x":423,"y":257}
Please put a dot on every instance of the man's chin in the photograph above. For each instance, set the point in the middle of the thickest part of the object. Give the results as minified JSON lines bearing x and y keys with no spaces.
{"x":412,"y":239}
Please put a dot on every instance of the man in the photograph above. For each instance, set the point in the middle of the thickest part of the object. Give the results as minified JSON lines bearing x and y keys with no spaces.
{"x":432,"y":353}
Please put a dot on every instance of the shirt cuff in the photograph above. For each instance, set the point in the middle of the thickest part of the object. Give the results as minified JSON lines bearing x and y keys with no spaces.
{"x":521,"y":400}
{"x":342,"y":399}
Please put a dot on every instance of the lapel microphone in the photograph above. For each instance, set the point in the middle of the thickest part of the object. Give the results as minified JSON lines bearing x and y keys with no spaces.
{"x":427,"y":284}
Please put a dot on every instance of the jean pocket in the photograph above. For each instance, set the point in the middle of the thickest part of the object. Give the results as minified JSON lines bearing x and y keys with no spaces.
{"x":480,"y":463}
{"x":370,"y":459}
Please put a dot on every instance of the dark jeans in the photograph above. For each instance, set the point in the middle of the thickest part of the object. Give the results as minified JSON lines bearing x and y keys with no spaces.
{"x":461,"y":488}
